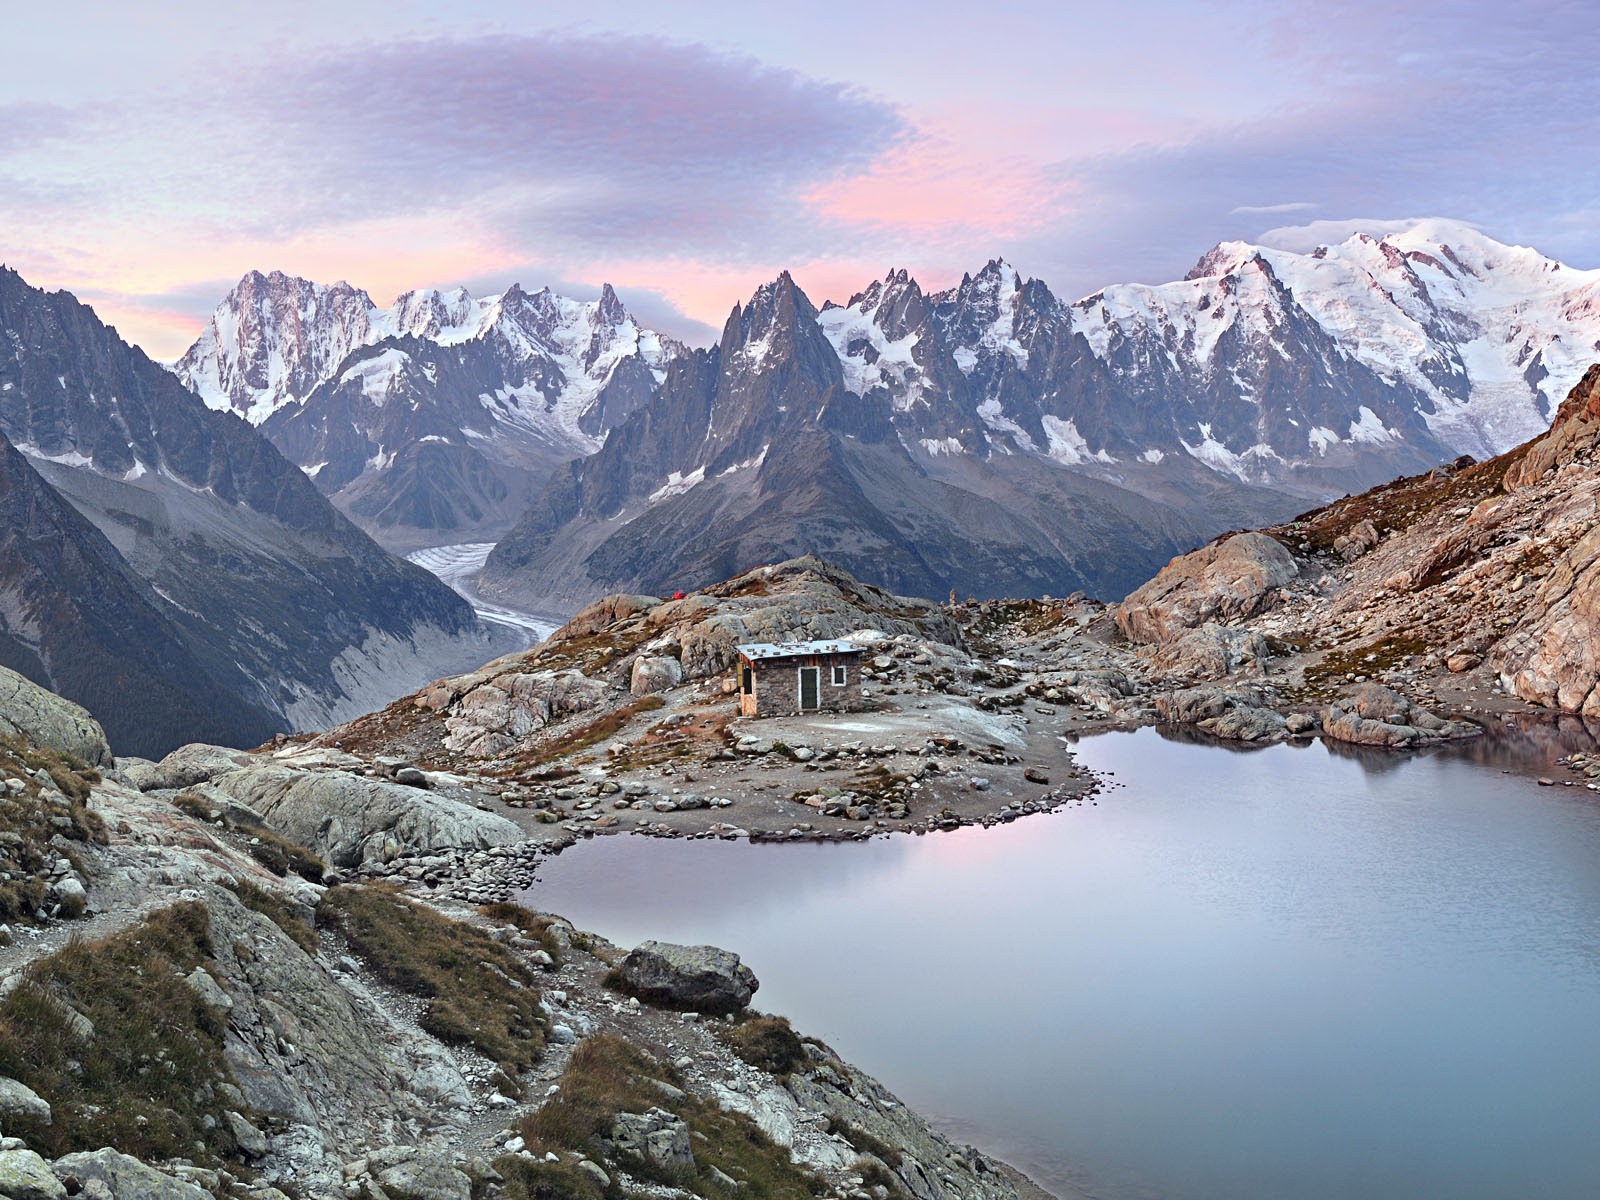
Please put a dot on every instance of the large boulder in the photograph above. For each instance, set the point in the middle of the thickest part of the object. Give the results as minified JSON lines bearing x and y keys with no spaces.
{"x":124,"y":1177}
{"x":1553,"y":656}
{"x":50,"y":721}
{"x":418,"y":1174}
{"x":1237,"y":714}
{"x":26,"y":1176}
{"x":1373,"y":715}
{"x":698,"y":978}
{"x":1211,"y":652}
{"x":654,"y":673}
{"x":1225,"y":581}
{"x":353,"y":821}
{"x":18,"y":1102}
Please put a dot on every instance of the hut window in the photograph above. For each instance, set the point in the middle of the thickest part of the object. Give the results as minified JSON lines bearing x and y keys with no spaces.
{"x":747,"y":680}
{"x":838,"y":674}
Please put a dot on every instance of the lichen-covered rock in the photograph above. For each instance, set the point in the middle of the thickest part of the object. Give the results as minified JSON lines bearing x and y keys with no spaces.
{"x":656,"y":1136}
{"x":418,"y":1174}
{"x":1356,"y":541}
{"x":1373,"y":715}
{"x":1553,"y":657}
{"x":1225,"y":581}
{"x":351,"y":820}
{"x":26,"y":1176}
{"x":49,"y":720}
{"x":198,"y":763}
{"x":126,"y":1178}
{"x":699,"y":978}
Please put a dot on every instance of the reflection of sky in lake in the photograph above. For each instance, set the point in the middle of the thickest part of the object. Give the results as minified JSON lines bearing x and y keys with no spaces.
{"x":1278,"y":974}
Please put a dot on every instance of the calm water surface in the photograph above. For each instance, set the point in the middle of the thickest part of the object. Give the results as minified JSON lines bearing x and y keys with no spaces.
{"x":1278,"y":974}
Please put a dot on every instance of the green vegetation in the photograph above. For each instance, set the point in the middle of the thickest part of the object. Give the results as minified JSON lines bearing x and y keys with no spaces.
{"x":478,"y":992}
{"x":533,"y":925}
{"x":1327,"y":676}
{"x":123,"y":1049}
{"x":32,"y":817}
{"x":607,"y":1076}
{"x":280,"y":912}
{"x":768,"y":1043}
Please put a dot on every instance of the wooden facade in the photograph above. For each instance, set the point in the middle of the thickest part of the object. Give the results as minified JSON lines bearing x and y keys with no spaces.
{"x":785,"y":679}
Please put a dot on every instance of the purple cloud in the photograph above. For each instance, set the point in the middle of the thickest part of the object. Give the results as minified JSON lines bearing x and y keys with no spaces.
{"x":601,"y":143}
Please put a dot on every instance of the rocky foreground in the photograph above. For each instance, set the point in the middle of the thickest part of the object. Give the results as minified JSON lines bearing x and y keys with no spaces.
{"x":293,"y":970}
{"x":195,"y":1003}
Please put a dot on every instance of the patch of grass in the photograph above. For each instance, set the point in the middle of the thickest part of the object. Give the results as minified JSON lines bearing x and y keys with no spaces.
{"x":768,"y":1043}
{"x":274,"y":852}
{"x":1327,"y":675}
{"x":124,"y":1050}
{"x":280,"y":912}
{"x":33,"y":817}
{"x":594,"y":732}
{"x":533,"y":925}
{"x":531,"y":1179}
{"x":607,"y":1075}
{"x":864,"y":1142}
{"x":478,"y":992}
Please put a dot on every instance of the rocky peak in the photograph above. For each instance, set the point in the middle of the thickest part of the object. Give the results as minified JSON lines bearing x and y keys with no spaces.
{"x":608,"y":311}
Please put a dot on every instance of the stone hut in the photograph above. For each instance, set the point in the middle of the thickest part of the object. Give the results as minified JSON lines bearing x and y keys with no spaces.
{"x":779,"y":679}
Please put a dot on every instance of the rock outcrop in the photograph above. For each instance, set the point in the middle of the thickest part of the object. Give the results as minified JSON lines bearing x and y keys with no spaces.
{"x":698,"y":978}
{"x":48,"y":720}
{"x":1554,"y":657}
{"x":1237,"y":714}
{"x":1574,"y":433}
{"x":352,"y":821}
{"x":1229,"y":580}
{"x":1373,"y":715}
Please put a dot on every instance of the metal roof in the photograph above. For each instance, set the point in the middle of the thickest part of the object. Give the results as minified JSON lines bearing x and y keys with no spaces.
{"x":755,"y":650}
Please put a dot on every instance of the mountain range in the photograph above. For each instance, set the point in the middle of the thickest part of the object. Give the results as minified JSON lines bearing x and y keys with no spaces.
{"x":165,"y":566}
{"x":990,"y":437}
{"x":434,"y":420}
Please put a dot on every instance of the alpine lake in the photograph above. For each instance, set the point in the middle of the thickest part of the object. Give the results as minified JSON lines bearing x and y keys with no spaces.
{"x":1288,"y":973}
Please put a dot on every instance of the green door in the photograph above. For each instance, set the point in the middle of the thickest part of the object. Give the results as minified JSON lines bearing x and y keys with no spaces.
{"x":810,"y":688}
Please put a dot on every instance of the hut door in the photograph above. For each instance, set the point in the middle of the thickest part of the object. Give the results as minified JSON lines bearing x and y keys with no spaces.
{"x":810,"y":688}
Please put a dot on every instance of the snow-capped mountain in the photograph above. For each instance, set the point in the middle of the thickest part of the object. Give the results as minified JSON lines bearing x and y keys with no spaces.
{"x":431,"y":420}
{"x":758,"y":449}
{"x":165,"y":566}
{"x":994,"y":438}
{"x":1318,"y":372}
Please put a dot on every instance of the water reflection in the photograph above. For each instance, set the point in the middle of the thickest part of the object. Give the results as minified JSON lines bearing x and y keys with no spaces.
{"x":1285,"y":974}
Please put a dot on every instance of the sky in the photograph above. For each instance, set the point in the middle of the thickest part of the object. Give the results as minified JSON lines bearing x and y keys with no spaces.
{"x":150,"y":155}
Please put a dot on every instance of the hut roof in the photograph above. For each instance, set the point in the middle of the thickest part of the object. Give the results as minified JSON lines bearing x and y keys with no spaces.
{"x":770,"y":650}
